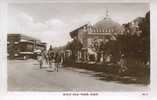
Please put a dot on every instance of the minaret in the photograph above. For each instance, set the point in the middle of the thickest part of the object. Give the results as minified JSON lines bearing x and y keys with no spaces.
{"x":107,"y":14}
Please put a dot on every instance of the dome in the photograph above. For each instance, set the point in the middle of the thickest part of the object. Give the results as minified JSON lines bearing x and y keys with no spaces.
{"x":107,"y":25}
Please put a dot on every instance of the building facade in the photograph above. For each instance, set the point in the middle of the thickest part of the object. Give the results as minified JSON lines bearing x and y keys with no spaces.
{"x":92,"y":36}
{"x":22,"y":46}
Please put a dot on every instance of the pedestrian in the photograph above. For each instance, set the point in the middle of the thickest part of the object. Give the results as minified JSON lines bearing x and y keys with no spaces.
{"x":51,"y":57}
{"x":40,"y":58}
{"x":62,"y":59}
{"x":57,"y":60}
{"x":45,"y":53}
{"x":123,"y":66}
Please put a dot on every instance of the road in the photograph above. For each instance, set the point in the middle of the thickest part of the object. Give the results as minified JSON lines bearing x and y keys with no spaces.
{"x":25,"y":75}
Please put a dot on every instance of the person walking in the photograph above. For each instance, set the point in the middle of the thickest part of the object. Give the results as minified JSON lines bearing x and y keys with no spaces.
{"x":57,"y":60}
{"x":51,"y":57}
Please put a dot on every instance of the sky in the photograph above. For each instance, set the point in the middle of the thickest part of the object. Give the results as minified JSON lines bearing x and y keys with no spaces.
{"x":52,"y":22}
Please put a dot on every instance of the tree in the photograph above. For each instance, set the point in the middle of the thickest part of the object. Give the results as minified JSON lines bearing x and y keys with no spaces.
{"x":74,"y":46}
{"x":145,"y":37}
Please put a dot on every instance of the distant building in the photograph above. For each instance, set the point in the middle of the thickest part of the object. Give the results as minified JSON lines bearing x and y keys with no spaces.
{"x":102,"y":31}
{"x":22,"y":46}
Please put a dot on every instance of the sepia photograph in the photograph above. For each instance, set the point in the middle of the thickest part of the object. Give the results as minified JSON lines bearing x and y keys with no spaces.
{"x":59,"y":47}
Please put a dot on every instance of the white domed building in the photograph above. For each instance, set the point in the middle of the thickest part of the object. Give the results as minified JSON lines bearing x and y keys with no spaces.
{"x":92,"y":35}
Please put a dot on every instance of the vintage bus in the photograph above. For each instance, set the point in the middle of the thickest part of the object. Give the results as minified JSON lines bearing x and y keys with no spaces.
{"x":22,"y":47}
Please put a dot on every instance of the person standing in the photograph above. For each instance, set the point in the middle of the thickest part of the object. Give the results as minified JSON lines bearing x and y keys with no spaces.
{"x":123,"y":64}
{"x":45,"y":53}
{"x":40,"y":58}
{"x":62,"y":59}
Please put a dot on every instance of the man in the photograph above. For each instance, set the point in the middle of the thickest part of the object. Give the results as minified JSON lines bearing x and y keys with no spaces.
{"x":123,"y":64}
{"x":51,"y":56}
{"x":45,"y":54}
{"x":57,"y":60}
{"x":40,"y":58}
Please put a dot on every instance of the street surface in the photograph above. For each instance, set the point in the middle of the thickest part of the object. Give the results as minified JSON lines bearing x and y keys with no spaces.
{"x":25,"y":75}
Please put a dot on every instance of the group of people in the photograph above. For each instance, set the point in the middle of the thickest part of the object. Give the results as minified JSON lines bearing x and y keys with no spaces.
{"x":50,"y":57}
